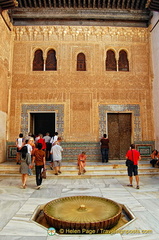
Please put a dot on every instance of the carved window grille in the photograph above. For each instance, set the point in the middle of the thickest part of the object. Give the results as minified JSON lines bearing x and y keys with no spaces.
{"x":123,"y":63}
{"x":81,"y":62}
{"x":111,"y":64}
{"x":51,"y":61}
{"x":38,"y":62}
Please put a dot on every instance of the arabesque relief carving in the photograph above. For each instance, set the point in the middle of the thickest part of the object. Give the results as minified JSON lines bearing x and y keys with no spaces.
{"x":79,"y":92}
{"x":48,"y":33}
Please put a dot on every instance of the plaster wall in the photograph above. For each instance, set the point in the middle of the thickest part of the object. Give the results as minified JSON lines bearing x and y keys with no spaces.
{"x":155,"y":59}
{"x":82,"y":92}
{"x":5,"y":79}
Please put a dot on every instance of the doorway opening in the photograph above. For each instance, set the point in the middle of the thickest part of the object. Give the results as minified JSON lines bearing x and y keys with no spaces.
{"x":42,"y":123}
{"x":119,"y":134}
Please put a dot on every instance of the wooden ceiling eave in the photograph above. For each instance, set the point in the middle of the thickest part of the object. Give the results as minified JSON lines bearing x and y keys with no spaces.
{"x":80,"y":10}
{"x":152,"y":5}
{"x":86,"y":4}
{"x":39,"y":1}
{"x":80,"y":14}
{"x":8,"y":4}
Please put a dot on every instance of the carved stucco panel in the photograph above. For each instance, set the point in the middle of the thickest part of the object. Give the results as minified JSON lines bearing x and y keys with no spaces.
{"x":82,"y":33}
{"x":81,"y":110}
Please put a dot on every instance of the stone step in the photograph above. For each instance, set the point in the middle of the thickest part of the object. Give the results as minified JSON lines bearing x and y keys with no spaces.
{"x":75,"y":176}
{"x":94,"y":169}
{"x":89,"y":167}
{"x":73,"y":165}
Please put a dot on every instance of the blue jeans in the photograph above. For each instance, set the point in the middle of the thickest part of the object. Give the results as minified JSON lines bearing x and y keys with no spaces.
{"x":105,"y":152}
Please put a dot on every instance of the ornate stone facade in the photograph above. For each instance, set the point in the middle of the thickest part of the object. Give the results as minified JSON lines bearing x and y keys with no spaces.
{"x":81,"y":93}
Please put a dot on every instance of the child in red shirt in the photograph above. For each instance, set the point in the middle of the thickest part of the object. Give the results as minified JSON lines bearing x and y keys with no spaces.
{"x":82,"y":162}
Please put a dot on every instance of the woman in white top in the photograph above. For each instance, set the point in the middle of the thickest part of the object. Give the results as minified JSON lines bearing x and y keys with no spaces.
{"x":54,"y":138}
{"x":19,"y":145}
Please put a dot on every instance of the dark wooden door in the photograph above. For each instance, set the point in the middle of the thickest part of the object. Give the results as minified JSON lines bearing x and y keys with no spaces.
{"x":119,"y":134}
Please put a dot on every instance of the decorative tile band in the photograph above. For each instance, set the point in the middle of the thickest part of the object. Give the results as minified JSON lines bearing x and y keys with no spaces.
{"x":71,"y":150}
{"x":145,"y":148}
{"x":92,"y":149}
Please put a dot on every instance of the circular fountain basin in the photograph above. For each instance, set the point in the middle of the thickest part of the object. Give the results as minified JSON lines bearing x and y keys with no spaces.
{"x":79,"y":212}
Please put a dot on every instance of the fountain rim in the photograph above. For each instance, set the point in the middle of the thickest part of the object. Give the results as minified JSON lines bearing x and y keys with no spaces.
{"x":116,"y":215}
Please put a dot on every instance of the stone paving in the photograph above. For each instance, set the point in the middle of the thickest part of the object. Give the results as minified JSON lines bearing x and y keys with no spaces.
{"x":18,"y":205}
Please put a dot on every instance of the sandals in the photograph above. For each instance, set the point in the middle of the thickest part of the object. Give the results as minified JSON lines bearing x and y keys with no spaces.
{"x":129,"y":185}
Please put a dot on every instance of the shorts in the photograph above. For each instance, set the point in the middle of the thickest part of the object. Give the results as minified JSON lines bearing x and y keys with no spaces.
{"x":57,"y":163}
{"x":132,"y":169}
{"x":18,"y":150}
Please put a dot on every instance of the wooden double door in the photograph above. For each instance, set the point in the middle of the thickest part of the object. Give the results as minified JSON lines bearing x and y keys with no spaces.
{"x":119,"y":134}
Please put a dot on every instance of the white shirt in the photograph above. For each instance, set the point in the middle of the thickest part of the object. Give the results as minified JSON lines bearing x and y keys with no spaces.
{"x":54,"y":139}
{"x":19,"y":142}
{"x":56,"y":151}
{"x":29,"y":148}
{"x":47,"y":138}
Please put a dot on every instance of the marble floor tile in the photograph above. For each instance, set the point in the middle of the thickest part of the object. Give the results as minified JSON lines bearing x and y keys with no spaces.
{"x":141,"y":237}
{"x":23,"y":228}
{"x":89,"y":237}
{"x":15,"y":193}
{"x":81,"y":191}
{"x":80,"y":186}
{"x":18,"y":205}
{"x":150,"y":204}
{"x":147,"y":221}
{"x":10,"y":182}
{"x":145,"y":195}
{"x":50,"y":192}
{"x":2,"y":237}
{"x":8,"y":209}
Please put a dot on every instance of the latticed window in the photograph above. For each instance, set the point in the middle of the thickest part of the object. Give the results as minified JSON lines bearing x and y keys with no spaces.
{"x":111,"y":64}
{"x":81,"y":62}
{"x":38,"y":62}
{"x":123,"y":63}
{"x":51,"y":62}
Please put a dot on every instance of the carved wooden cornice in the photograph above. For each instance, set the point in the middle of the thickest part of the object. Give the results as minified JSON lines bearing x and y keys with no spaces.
{"x":81,"y":12}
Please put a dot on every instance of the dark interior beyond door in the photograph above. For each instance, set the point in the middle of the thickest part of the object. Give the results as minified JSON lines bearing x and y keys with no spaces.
{"x":42,"y":123}
{"x":119,"y":133}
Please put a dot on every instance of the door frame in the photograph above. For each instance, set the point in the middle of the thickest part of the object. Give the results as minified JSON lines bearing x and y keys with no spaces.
{"x":121,"y":108}
{"x":34,"y":112}
{"x":59,"y":109}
